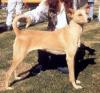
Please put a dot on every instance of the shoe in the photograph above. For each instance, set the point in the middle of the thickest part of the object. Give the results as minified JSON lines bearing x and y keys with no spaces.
{"x":2,"y":27}
{"x":89,"y":19}
{"x":9,"y":28}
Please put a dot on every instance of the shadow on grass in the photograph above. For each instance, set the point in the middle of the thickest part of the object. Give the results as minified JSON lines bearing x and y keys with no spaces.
{"x":85,"y":56}
{"x":49,"y":61}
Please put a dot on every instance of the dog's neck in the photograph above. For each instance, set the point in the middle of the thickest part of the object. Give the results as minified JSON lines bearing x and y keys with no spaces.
{"x":75,"y":26}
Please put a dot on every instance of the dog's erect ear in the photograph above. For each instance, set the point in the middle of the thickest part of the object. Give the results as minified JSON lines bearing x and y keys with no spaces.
{"x":70,"y":12}
{"x":87,"y":8}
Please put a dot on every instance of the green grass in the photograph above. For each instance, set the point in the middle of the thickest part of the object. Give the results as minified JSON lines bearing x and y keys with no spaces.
{"x":53,"y":81}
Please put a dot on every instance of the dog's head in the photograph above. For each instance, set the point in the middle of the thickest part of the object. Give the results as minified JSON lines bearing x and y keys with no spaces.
{"x":80,"y":16}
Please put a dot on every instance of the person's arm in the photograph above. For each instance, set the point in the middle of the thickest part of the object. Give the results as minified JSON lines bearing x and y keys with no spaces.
{"x":39,"y":13}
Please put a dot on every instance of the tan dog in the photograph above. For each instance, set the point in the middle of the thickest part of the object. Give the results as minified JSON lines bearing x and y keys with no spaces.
{"x":62,"y":41}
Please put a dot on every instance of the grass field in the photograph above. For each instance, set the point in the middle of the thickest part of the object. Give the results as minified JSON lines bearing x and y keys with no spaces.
{"x":51,"y":80}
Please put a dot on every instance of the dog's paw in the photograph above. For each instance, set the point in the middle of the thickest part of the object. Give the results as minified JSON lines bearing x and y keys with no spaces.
{"x":9,"y":88}
{"x":78,"y":82}
{"x":77,"y":86}
{"x":17,"y":78}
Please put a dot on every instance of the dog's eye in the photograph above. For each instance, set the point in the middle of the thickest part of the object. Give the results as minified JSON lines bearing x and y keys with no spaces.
{"x":79,"y":14}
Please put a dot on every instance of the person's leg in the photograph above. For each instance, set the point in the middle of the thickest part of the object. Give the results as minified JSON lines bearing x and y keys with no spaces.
{"x":99,"y":14}
{"x":38,"y":14}
{"x":10,"y":10}
{"x":91,"y":12}
{"x":19,"y":6}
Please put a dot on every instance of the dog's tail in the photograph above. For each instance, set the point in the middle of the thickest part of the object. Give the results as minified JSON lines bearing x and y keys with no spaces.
{"x":16,"y":19}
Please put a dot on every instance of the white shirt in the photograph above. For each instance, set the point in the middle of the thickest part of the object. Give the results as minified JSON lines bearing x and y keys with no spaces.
{"x":61,"y":18}
{"x":41,"y":12}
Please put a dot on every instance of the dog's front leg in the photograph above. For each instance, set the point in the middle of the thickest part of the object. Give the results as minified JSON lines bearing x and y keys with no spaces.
{"x":70,"y":62}
{"x":79,"y":42}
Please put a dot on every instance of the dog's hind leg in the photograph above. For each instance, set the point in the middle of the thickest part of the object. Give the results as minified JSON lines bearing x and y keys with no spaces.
{"x":71,"y":64}
{"x":18,"y":55}
{"x":16,"y":76}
